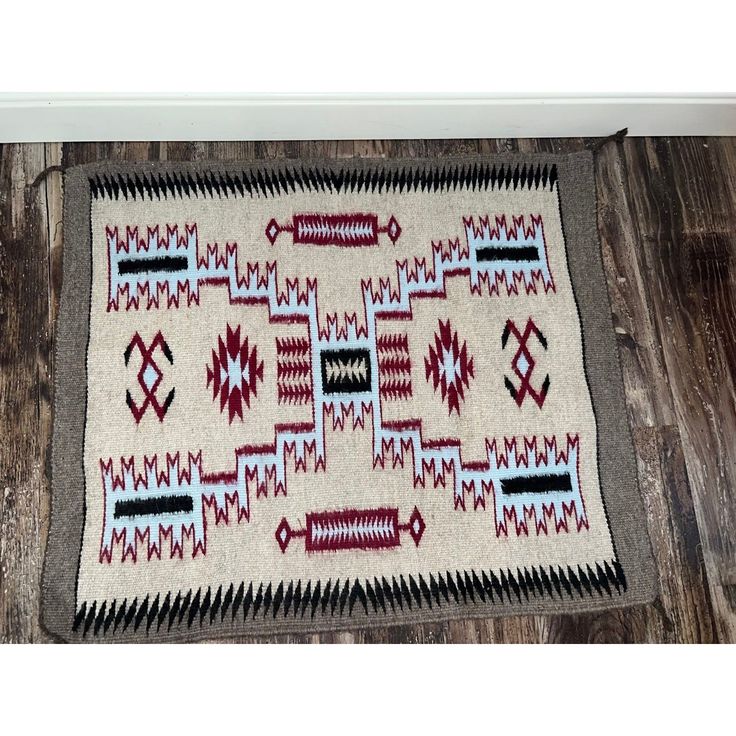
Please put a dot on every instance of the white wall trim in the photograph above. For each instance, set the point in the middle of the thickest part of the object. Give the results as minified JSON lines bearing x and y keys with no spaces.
{"x":59,"y":117}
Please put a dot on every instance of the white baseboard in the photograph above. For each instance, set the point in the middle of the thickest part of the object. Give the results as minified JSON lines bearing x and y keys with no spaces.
{"x":34,"y":118}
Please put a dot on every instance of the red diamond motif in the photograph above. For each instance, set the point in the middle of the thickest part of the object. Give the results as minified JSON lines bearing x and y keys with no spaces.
{"x":272,"y":231}
{"x":523,"y":362}
{"x":416,"y":526}
{"x":149,"y":376}
{"x":283,"y":534}
{"x":449,"y":366}
{"x":235,"y":372}
{"x":393,"y":229}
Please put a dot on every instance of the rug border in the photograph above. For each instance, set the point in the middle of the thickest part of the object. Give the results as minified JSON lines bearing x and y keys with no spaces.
{"x":617,"y":465}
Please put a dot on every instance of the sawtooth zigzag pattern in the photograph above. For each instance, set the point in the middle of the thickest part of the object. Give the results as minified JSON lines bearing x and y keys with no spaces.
{"x":287,"y":179}
{"x":294,"y":370}
{"x":394,"y":366}
{"x":340,"y":599}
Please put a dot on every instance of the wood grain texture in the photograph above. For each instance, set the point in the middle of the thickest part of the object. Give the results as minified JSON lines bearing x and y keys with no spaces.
{"x":667,"y":221}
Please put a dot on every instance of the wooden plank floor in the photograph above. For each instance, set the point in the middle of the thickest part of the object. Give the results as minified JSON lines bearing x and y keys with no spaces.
{"x":667,"y":219}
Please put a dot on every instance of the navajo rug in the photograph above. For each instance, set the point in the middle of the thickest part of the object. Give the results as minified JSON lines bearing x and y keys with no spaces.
{"x":308,"y":395}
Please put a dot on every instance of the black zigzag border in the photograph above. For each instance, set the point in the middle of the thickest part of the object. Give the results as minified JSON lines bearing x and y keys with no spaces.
{"x":376,"y":599}
{"x":286,"y":179}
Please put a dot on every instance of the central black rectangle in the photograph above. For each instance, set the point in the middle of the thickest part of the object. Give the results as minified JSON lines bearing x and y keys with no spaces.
{"x":537,"y":483}
{"x":341,"y":360}
{"x":508,"y":253}
{"x":153,"y":506}
{"x":165,"y":264}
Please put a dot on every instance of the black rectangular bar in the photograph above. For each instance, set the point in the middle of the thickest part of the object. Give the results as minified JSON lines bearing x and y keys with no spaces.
{"x":153,"y":506}
{"x":508,"y":253}
{"x":346,"y":384}
{"x":148,"y":265}
{"x":537,"y":483}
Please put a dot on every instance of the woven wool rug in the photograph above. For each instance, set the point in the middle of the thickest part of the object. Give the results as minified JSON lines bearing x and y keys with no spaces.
{"x":316,"y":395}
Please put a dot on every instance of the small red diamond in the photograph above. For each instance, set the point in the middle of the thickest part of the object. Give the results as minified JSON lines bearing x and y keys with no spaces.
{"x":283,"y":534}
{"x":416,"y":526}
{"x":272,"y":231}
{"x":393,"y":229}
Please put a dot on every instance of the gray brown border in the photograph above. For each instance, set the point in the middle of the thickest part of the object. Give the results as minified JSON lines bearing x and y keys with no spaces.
{"x":616,"y":457}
